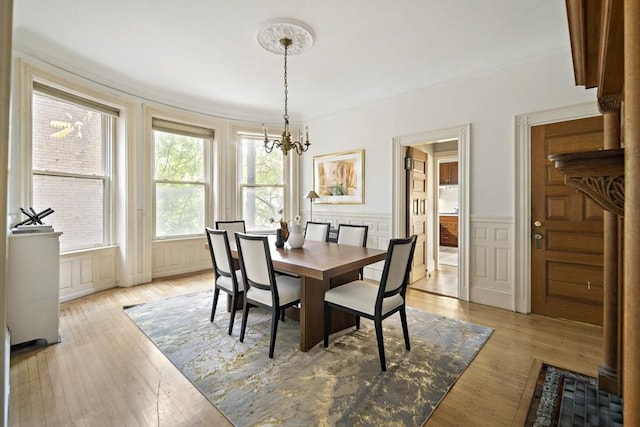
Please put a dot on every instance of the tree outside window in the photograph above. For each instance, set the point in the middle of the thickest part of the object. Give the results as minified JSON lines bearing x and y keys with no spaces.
{"x":180,"y":184}
{"x":262,"y":186}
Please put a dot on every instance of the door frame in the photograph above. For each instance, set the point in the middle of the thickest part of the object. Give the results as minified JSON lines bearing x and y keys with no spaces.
{"x":522,"y":220}
{"x":463,"y":134}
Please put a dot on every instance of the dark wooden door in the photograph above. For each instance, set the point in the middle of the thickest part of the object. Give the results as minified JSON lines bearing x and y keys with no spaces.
{"x":567,"y":227}
{"x":417,"y":211}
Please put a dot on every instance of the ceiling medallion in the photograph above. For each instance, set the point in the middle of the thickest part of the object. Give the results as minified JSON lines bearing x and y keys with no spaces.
{"x":272,"y":32}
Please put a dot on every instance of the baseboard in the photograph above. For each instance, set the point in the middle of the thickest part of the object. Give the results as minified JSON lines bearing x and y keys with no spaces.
{"x":491,"y":297}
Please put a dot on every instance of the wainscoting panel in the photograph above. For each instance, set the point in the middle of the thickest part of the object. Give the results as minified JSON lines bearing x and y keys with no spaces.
{"x":173,"y":257}
{"x":378,"y":235}
{"x":86,"y":272}
{"x":491,"y":270}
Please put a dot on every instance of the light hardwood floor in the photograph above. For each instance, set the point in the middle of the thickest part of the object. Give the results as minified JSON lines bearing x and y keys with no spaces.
{"x":105,"y":372}
{"x":442,"y":282}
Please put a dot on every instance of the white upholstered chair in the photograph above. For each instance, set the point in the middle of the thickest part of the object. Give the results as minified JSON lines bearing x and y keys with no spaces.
{"x":226,"y":278}
{"x":263,"y":287}
{"x":354,"y":235}
{"x":232,"y":227}
{"x":376,"y":302}
{"x":317,"y":231}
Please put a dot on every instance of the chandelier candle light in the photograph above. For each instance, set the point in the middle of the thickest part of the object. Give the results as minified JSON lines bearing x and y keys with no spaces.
{"x":291,"y":37}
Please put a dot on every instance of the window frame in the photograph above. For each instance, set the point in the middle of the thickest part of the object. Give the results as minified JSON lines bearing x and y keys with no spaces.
{"x":290,"y":165}
{"x":208,"y":167}
{"x":109,"y":121}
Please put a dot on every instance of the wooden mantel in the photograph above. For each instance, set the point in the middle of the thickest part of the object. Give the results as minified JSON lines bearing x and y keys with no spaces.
{"x":605,"y":46}
{"x":598,"y":174}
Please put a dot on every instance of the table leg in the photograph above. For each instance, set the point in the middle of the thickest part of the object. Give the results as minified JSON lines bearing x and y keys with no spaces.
{"x":312,"y":309}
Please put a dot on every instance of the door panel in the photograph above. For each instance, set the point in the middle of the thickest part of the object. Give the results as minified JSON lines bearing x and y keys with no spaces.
{"x":567,"y":255}
{"x":417,"y":211}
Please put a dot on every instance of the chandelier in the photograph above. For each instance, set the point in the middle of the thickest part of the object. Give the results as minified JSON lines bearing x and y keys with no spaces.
{"x":289,"y":37}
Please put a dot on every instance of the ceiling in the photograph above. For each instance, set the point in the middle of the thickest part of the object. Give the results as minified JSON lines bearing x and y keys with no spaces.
{"x":204,"y":53}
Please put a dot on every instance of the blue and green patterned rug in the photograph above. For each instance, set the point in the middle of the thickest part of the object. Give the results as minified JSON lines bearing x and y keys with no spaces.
{"x":340,"y":385}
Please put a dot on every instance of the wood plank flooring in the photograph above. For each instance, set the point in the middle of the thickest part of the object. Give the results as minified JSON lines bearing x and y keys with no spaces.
{"x":442,"y":282}
{"x":105,"y":372}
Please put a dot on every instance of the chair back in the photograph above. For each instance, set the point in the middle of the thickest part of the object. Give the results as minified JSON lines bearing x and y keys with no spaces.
{"x":354,"y":235}
{"x":231,"y":227}
{"x":397,"y":266}
{"x":220,"y":252}
{"x":255,"y":261}
{"x":317,"y":231}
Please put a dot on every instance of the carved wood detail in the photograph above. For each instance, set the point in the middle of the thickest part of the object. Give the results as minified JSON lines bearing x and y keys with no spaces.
{"x":598,"y":174}
{"x":607,"y":191}
{"x":610,"y":103}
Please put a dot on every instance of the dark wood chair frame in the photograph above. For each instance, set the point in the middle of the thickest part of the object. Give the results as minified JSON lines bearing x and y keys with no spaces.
{"x":277,"y":310}
{"x":217,"y":271}
{"x":378,"y":317}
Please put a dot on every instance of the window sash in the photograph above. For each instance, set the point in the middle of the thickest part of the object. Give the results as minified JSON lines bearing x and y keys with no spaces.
{"x":108,"y":131}
{"x":193,"y":131}
{"x":200,"y":216}
{"x":70,"y":209}
{"x":253,"y":215}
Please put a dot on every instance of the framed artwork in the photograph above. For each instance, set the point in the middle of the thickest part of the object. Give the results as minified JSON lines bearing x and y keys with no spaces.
{"x":339,"y":177}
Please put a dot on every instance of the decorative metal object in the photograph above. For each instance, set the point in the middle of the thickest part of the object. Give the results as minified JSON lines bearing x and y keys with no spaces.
{"x":292,"y":37}
{"x":33,"y":217}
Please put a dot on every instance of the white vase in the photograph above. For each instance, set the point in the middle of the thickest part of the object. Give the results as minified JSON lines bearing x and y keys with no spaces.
{"x":296,"y":238}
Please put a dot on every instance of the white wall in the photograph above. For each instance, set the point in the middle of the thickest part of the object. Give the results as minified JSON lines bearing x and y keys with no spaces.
{"x":489,"y":101}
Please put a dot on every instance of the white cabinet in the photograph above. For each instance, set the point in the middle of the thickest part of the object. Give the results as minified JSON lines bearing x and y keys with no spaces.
{"x":33,"y":287}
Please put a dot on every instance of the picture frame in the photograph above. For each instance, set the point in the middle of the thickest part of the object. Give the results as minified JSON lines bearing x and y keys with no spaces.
{"x":339,"y":177}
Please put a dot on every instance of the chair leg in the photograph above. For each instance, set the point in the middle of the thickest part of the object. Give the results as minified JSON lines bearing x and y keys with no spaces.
{"x":216,"y":292}
{"x":233,"y":313}
{"x":405,"y":329}
{"x":245,"y":314}
{"x":357,"y":322}
{"x":282,"y":315}
{"x":383,"y":362}
{"x":327,"y":322}
{"x":274,"y":331}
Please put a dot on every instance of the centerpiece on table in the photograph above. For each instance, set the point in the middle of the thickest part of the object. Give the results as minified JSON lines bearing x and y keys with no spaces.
{"x":289,"y":231}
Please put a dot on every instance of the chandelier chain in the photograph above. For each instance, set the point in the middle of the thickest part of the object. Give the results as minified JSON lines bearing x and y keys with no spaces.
{"x":286,"y":144}
{"x":286,"y":88}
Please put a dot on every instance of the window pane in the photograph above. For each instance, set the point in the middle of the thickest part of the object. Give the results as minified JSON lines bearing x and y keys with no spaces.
{"x":260,"y":205}
{"x":179,"y":209}
{"x":260,"y":167}
{"x":66,"y":137}
{"x":178,"y":157}
{"x":78,"y":204}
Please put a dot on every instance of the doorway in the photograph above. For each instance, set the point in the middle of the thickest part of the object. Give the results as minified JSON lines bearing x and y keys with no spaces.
{"x":432,"y":174}
{"x":567,"y":240}
{"x":523,"y":220}
{"x":444,"y":279}
{"x":456,"y":277}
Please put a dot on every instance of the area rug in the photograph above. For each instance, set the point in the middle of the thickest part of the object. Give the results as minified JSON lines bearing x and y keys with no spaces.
{"x":566,"y":398}
{"x":340,"y":385}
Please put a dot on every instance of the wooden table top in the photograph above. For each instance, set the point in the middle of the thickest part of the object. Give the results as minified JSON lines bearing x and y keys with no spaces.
{"x":320,"y":260}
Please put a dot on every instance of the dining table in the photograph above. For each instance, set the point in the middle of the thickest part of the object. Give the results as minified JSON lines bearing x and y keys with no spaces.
{"x":320,"y":266}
